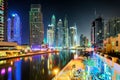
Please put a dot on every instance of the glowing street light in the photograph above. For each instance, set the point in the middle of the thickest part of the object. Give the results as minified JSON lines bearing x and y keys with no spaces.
{"x":55,"y":71}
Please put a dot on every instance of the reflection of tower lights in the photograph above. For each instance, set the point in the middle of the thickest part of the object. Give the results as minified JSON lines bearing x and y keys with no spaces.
{"x":26,"y":58}
{"x":30,"y":59}
{"x":11,"y":62}
{"x":48,"y":64}
{"x":43,"y":71}
{"x":9,"y":69}
{"x":42,"y":57}
{"x":3,"y":71}
{"x":105,"y":67}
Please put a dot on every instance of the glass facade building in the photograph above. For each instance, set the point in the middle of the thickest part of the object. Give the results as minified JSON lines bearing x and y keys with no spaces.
{"x":66,"y":33}
{"x":73,"y":36}
{"x":60,"y":33}
{"x":36,"y":25}
{"x":97,"y":32}
{"x":50,"y":36}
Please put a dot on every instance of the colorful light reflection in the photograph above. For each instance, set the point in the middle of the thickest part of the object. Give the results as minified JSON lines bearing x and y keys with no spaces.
{"x":9,"y":69}
{"x":3,"y":71}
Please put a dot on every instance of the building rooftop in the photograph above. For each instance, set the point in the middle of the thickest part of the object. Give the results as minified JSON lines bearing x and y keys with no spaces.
{"x":35,"y":6}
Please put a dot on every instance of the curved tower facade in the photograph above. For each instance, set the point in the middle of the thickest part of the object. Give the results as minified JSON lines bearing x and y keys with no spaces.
{"x":14,"y":29}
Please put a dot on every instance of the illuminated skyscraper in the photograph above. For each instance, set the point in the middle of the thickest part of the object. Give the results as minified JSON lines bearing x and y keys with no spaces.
{"x":53,"y":21}
{"x":36,"y":25}
{"x":73,"y":36}
{"x":97,"y":32}
{"x":53,"y":25}
{"x":65,"y":33}
{"x":14,"y":29}
{"x":112,"y":27}
{"x":50,"y":35}
{"x":3,"y":20}
{"x":60,"y":33}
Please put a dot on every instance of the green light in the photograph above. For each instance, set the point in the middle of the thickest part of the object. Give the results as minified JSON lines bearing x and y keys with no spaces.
{"x":89,"y":44}
{"x":53,"y":17}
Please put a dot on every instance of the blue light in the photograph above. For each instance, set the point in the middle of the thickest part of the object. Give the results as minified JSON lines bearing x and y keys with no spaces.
{"x":13,"y":15}
{"x":14,"y":29}
{"x":18,"y":70}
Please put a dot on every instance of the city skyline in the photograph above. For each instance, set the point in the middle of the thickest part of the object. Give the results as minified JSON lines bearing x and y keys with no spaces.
{"x":80,"y":12}
{"x":59,"y":40}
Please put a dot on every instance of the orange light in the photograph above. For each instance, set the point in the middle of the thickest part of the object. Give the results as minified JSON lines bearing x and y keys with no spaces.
{"x":11,"y":62}
{"x":56,"y":70}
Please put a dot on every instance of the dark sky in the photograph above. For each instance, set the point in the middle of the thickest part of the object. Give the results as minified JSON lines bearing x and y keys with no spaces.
{"x":81,"y":12}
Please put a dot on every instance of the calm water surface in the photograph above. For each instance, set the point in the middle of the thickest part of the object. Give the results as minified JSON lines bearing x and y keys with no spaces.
{"x":38,"y":67}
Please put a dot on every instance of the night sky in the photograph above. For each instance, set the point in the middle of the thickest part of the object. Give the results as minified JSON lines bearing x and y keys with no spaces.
{"x":81,"y":12}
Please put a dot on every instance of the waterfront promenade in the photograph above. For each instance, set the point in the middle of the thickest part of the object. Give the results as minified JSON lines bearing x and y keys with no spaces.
{"x":66,"y":72}
{"x":28,"y":54}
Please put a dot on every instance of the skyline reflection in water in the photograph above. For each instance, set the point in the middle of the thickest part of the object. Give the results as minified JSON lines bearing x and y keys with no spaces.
{"x":39,"y":67}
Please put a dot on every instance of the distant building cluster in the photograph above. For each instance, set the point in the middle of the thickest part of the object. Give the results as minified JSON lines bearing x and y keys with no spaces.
{"x":105,"y":36}
{"x":112,"y":35}
{"x":83,"y":41}
{"x":10,"y":31}
{"x":59,"y":34}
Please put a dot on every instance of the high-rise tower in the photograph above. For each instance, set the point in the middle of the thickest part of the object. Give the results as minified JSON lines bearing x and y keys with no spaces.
{"x":66,"y":33}
{"x":73,"y":36}
{"x":54,"y":28}
{"x":50,"y":36}
{"x":3,"y":20}
{"x":14,"y":29}
{"x":97,"y":32}
{"x":53,"y":21}
{"x":60,"y":33}
{"x":36,"y":25}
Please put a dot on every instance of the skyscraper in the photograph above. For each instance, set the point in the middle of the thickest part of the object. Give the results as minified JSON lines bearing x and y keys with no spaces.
{"x":81,"y":40}
{"x":73,"y":36}
{"x":53,"y":25}
{"x":112,"y":27}
{"x":97,"y":32}
{"x":3,"y":20}
{"x":60,"y":33}
{"x":14,"y":29}
{"x":36,"y":25}
{"x":66,"y":33}
{"x":53,"y":21}
{"x":50,"y":35}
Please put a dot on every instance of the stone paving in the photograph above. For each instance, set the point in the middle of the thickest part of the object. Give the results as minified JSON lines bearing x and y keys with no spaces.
{"x":66,"y":72}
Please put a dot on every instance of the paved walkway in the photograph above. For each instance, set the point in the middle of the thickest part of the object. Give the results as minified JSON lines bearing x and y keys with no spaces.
{"x":65,"y":73}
